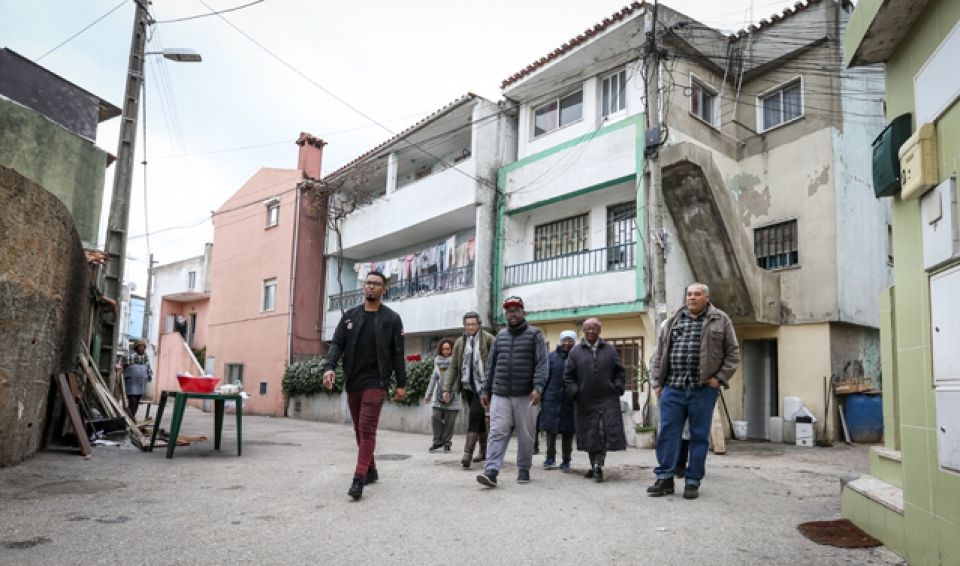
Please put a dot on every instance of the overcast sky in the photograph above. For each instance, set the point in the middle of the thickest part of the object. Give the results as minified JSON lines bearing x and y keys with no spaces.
{"x":211,"y":125}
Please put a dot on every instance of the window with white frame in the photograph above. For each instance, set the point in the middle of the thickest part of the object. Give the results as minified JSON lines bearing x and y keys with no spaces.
{"x":781,"y":105}
{"x":558,"y":113}
{"x":269,"y":302}
{"x":566,"y":236}
{"x":273,"y":212}
{"x":613,"y":93}
{"x":191,"y":280}
{"x":703,"y":102}
{"x":234,"y":373}
{"x":776,"y":245}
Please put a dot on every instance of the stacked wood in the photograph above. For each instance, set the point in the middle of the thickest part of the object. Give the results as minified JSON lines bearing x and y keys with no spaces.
{"x":107,"y":404}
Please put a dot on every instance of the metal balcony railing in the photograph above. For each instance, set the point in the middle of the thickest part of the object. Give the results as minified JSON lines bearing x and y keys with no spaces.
{"x":439,"y":282}
{"x":613,"y":258}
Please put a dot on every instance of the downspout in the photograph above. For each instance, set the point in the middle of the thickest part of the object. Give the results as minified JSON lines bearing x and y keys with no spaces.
{"x":293,"y":276}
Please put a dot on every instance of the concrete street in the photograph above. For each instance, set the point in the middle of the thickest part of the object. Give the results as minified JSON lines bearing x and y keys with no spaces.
{"x":284,"y":502}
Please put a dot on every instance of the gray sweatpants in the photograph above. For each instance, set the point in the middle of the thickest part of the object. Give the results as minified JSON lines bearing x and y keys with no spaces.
{"x":507,"y":413}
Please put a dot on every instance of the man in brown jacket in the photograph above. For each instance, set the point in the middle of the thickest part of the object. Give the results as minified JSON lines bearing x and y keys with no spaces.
{"x":467,"y":365}
{"x":697,"y":352}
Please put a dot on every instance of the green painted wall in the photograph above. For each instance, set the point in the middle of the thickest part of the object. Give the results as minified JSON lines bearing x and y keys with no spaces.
{"x":931,"y":496}
{"x":67,"y":165}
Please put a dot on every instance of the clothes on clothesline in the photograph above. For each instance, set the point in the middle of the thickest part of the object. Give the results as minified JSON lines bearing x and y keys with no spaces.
{"x":441,"y":257}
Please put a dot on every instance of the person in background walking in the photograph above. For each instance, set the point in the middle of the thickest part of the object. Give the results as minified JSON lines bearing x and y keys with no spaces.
{"x":369,"y":338}
{"x":445,"y":410}
{"x":695,"y":354}
{"x":470,"y":354}
{"x":516,"y":374}
{"x":556,"y":413}
{"x":136,"y":374}
{"x":595,"y":378}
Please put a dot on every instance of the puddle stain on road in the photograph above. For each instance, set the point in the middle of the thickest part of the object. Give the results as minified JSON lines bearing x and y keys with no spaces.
{"x":23,"y":544}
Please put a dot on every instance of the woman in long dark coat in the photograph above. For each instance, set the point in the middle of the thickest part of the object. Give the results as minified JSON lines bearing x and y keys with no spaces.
{"x":595,"y":378}
{"x":556,"y":410}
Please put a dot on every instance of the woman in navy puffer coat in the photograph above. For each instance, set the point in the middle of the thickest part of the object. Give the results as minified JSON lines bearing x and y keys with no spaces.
{"x":556,"y":410}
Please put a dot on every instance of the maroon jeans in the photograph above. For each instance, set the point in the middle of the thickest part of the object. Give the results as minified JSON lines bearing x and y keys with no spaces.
{"x":365,"y":409}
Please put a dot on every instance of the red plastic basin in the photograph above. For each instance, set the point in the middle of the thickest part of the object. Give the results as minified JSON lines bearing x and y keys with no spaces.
{"x":197,"y":384}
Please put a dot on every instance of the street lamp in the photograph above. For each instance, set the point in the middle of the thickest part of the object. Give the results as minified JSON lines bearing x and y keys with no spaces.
{"x":178,"y":54}
{"x":118,"y":220}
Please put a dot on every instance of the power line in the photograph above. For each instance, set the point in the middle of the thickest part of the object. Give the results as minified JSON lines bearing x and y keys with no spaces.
{"x":217,"y":13}
{"x":85,"y":28}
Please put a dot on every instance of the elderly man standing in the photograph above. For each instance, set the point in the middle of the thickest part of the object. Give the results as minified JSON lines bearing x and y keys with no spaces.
{"x":516,"y":375}
{"x":594,"y":377}
{"x":470,"y":354}
{"x":697,"y":351}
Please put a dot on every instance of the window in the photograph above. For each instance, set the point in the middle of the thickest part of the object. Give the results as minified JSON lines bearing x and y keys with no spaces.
{"x":263,"y":387}
{"x":566,"y":236}
{"x":630,"y":351}
{"x":621,"y":234}
{"x":781,"y":106}
{"x":612,"y":93}
{"x":776,"y":245}
{"x":703,"y":102}
{"x":269,"y":295}
{"x":191,"y":280}
{"x":558,"y":113}
{"x":234,"y":373}
{"x":273,"y":212}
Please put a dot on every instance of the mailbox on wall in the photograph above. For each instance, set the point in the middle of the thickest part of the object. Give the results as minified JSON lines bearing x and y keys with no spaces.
{"x":918,"y":162}
{"x":886,"y":161}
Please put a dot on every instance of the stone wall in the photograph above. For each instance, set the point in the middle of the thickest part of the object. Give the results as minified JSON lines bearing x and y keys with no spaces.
{"x":44,"y":302}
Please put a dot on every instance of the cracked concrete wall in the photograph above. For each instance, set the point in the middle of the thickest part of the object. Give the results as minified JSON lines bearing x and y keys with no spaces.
{"x":44,"y":290}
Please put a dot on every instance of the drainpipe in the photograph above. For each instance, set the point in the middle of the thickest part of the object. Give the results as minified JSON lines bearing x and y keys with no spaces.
{"x":293,"y":274}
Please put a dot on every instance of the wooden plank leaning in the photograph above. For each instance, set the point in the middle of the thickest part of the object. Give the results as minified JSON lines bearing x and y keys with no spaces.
{"x":71,"y":404}
{"x":109,"y":403}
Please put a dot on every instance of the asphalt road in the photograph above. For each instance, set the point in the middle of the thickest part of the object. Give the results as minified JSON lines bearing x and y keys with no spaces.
{"x":284,"y":502}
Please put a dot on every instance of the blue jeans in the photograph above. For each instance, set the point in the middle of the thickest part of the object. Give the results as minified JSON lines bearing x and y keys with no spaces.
{"x":676,"y":405}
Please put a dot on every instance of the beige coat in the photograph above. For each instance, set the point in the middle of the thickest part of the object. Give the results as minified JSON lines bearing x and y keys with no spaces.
{"x":719,"y":349}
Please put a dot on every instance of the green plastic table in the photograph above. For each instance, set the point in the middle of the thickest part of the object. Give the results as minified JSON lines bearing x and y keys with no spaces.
{"x":180,"y":403}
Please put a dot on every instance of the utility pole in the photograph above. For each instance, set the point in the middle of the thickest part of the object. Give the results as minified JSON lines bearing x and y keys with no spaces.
{"x":658,"y":263}
{"x":116,"y":245}
{"x":148,"y":311}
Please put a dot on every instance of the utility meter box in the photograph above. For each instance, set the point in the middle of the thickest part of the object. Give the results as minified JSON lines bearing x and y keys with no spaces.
{"x":886,"y":161}
{"x":918,"y":162}
{"x":940,"y":224}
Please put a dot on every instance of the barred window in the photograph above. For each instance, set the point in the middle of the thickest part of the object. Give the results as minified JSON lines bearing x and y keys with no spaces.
{"x":630,"y":351}
{"x":566,"y":236}
{"x":776,"y":245}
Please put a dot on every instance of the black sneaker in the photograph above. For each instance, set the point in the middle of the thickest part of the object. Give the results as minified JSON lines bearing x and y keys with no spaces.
{"x":598,"y":474}
{"x":661,"y":488}
{"x":523,"y":476}
{"x":691,"y":491}
{"x":372,"y":477}
{"x":589,"y":474}
{"x":434,"y":447}
{"x":488,"y":479}
{"x":356,"y":488}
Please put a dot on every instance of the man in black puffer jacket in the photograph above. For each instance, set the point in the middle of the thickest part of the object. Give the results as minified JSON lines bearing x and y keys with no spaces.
{"x":516,"y":375}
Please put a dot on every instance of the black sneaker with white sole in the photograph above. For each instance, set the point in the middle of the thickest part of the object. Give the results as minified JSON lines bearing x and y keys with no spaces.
{"x":523,"y":476}
{"x":488,"y":479}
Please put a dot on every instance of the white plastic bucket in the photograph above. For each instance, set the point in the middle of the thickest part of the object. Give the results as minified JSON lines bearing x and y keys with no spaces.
{"x":740,"y":430}
{"x":790,"y":406}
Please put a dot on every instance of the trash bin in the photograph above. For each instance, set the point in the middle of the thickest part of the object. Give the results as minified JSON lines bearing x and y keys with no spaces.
{"x":864,"y":414}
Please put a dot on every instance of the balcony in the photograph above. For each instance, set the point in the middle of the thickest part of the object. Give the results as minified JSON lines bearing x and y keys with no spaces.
{"x":441,"y":203}
{"x":440,"y":282}
{"x":603,"y":260}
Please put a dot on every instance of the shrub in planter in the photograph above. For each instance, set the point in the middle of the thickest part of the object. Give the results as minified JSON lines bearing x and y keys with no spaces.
{"x":306,"y":378}
{"x":418,"y":379}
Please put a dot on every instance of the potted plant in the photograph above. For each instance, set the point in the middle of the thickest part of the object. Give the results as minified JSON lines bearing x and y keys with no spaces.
{"x":646,"y":436}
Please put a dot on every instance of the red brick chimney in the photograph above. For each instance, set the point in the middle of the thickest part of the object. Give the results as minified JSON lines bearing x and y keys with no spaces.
{"x":311,"y":155}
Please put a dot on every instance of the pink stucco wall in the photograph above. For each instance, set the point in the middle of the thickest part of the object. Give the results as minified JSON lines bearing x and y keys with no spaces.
{"x":248,"y":253}
{"x":198,"y":307}
{"x":173,"y":357}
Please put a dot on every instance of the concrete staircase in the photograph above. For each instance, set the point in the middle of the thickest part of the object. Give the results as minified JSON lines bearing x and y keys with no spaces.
{"x":709,"y":229}
{"x":874,"y":502}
